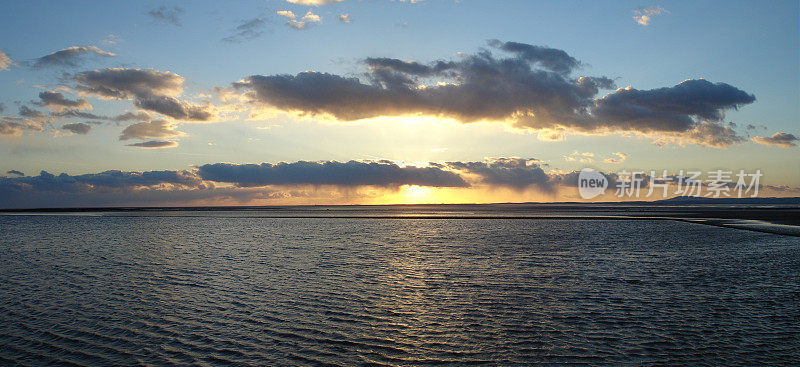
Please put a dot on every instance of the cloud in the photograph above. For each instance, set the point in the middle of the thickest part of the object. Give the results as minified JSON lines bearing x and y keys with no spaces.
{"x":783,"y":140}
{"x":167,"y":15}
{"x":551,"y":135}
{"x":111,"y":39}
{"x":130,"y":116}
{"x":118,"y":83}
{"x":336,"y":182}
{"x":70,"y":56}
{"x":286,"y":13}
{"x":15,"y":126}
{"x":15,"y":172}
{"x":583,"y":157}
{"x":546,"y":57}
{"x":5,"y":61}
{"x":344,"y":18}
{"x":527,"y":87}
{"x":353,"y":173}
{"x":77,"y":128}
{"x":150,"y":90}
{"x":311,"y":17}
{"x":516,"y":173}
{"x":313,"y":2}
{"x":179,"y":110}
{"x":670,"y":108}
{"x":155,"y":144}
{"x":26,"y":111}
{"x":305,"y":21}
{"x":127,"y":116}
{"x":56,"y":102}
{"x":644,"y":16}
{"x":705,"y":133}
{"x":78,"y":114}
{"x":113,"y":179}
{"x":619,"y":158}
{"x":149,"y":129}
{"x":247,"y":30}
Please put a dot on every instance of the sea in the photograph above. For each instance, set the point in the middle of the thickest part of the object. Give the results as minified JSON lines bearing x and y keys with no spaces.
{"x":394,"y":286}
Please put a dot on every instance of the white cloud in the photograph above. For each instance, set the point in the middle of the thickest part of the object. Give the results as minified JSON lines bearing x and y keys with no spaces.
{"x":618,"y":158}
{"x":311,"y":17}
{"x":287,"y":13}
{"x":644,"y":16}
{"x":303,"y":22}
{"x":583,"y":157}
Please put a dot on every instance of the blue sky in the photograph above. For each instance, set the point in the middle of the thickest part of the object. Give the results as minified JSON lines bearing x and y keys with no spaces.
{"x":751,"y":47}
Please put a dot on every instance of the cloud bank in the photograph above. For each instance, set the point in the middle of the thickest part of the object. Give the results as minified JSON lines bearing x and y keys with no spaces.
{"x":319,"y":181}
{"x":526,"y":86}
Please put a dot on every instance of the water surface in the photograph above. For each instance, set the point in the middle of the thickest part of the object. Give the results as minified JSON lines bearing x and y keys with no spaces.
{"x":397,"y":291}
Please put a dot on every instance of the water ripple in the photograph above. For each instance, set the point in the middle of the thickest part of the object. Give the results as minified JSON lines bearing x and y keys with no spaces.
{"x":341,"y":292}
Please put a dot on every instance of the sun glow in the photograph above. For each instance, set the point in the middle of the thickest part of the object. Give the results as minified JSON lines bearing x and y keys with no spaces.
{"x":415,"y":193}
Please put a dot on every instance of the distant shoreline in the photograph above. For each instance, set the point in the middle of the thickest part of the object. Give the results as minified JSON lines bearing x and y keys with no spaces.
{"x":768,"y":216}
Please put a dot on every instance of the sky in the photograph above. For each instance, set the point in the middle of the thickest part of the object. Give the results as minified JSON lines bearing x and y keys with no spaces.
{"x":161,"y":103}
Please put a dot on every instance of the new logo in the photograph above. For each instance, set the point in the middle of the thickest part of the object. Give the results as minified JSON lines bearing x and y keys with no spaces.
{"x":591,"y":183}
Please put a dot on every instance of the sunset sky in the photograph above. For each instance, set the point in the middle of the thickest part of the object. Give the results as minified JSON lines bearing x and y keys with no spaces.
{"x":150,"y":103}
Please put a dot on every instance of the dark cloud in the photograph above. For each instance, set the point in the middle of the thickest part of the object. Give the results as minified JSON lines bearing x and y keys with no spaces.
{"x":15,"y":172}
{"x":151,"y":90}
{"x":167,"y":15}
{"x":118,"y":83}
{"x":548,"y":58}
{"x":127,"y":116}
{"x":78,"y":114}
{"x":77,"y":128}
{"x":517,"y":173}
{"x":108,"y":179}
{"x":172,"y":107}
{"x":149,"y":129}
{"x":351,"y":173}
{"x":671,"y":108}
{"x":26,"y":111}
{"x":71,"y":56}
{"x":247,"y":30}
{"x":527,"y":86}
{"x":155,"y":144}
{"x":784,"y":140}
{"x":2,"y":107}
{"x":57,"y":102}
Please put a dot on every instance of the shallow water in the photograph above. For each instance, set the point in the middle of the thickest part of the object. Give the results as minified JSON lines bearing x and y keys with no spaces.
{"x":215,"y":290}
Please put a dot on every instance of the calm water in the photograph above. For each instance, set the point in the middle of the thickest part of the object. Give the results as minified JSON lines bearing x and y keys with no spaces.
{"x":214,"y":290}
